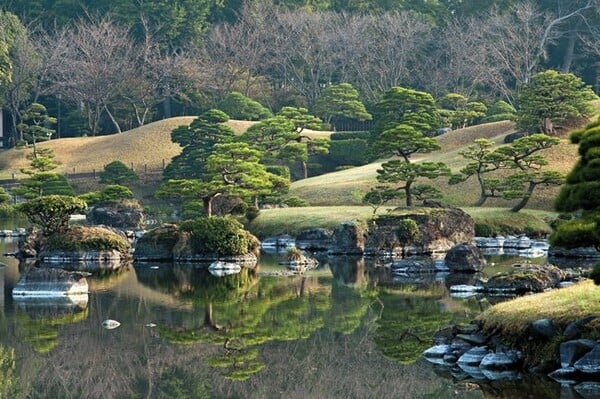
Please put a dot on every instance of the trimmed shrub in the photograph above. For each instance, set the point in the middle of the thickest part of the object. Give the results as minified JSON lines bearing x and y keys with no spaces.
{"x":349,"y":152}
{"x":408,"y":231}
{"x":218,"y":235}
{"x":238,"y":106}
{"x":295,"y":202}
{"x":117,"y":172}
{"x":359,"y":134}
{"x":575,"y":233}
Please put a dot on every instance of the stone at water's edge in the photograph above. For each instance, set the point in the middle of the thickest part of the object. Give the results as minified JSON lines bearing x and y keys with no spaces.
{"x":526,"y":279}
{"x":590,"y":362}
{"x":314,"y":239}
{"x":50,"y":282}
{"x":126,"y":214}
{"x":157,"y":244}
{"x":465,"y":258}
{"x":348,"y":239}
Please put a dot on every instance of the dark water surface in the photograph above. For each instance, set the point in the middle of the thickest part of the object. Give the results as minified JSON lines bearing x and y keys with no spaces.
{"x":348,"y":329}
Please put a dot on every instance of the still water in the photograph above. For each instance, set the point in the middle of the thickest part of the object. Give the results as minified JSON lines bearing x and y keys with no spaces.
{"x":345,"y":330}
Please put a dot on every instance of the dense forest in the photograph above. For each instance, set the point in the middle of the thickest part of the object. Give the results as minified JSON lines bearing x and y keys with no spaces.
{"x":105,"y":66}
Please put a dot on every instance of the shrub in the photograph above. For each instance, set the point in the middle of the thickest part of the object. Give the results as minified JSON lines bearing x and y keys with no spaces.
{"x":349,"y":152}
{"x":252,"y":213}
{"x":219,"y":235}
{"x":52,"y":212}
{"x":484,"y":230}
{"x":575,"y":233}
{"x":238,"y":106}
{"x":498,"y":118}
{"x":359,"y":134}
{"x":595,"y":273}
{"x":110,"y":194}
{"x":295,"y":202}
{"x":117,"y":172}
{"x":408,"y":230}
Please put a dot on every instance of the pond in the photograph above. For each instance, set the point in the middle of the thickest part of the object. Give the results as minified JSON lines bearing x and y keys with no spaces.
{"x":347,"y":329}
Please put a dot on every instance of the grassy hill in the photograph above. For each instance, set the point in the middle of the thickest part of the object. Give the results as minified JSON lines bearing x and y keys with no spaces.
{"x":146,"y":146}
{"x":149,"y":146}
{"x":348,"y":186}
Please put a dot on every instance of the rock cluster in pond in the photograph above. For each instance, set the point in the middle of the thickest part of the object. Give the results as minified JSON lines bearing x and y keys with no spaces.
{"x":521,"y":280}
{"x":475,"y":351}
{"x":44,"y":282}
{"x":167,"y":243}
{"x":472,"y":353}
{"x":77,"y":244}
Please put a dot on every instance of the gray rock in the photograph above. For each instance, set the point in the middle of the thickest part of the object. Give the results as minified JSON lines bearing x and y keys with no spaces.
{"x":573,"y":329}
{"x":501,"y":375}
{"x":588,"y":389}
{"x":543,"y":328}
{"x":314,"y":239}
{"x":501,"y":361}
{"x":565,"y":375}
{"x":526,"y":279}
{"x":348,"y":238}
{"x":573,"y":350}
{"x":473,"y":357}
{"x":465,"y":258}
{"x":590,"y":362}
{"x":436,"y":353}
{"x":473,"y":339}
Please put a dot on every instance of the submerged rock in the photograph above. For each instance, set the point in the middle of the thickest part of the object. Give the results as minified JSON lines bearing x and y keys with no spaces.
{"x":526,"y":279}
{"x":501,"y":361}
{"x":465,"y":258}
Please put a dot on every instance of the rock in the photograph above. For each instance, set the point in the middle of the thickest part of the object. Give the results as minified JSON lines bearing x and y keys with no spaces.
{"x":501,"y":361}
{"x":157,"y":244}
{"x":314,"y":239}
{"x":221,"y":269}
{"x":565,"y":375}
{"x":436,"y":353}
{"x":110,"y":324}
{"x":543,"y":328}
{"x":473,"y":339}
{"x":588,"y":389}
{"x":464,"y":258}
{"x":526,"y":279}
{"x":123,"y":214}
{"x":48,"y":282}
{"x":573,"y":329}
{"x":573,"y":350}
{"x":348,"y":238}
{"x":473,"y":357}
{"x":590,"y":362}
{"x":414,"y":264}
{"x":501,"y":375}
{"x":439,"y":230}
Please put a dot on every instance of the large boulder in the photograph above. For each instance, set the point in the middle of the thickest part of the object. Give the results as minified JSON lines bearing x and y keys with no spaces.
{"x":157,"y":244}
{"x":349,"y":239}
{"x":439,"y":229}
{"x":526,"y":279}
{"x":464,"y":258}
{"x":125,"y":214}
{"x":314,"y":239}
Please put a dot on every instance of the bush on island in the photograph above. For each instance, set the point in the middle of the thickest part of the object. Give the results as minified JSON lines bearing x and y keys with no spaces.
{"x":219,"y":235}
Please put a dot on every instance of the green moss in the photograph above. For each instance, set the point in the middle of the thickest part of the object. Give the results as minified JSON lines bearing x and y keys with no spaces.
{"x":82,"y":238}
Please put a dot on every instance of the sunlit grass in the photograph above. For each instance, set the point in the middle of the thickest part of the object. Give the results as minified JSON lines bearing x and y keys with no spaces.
{"x":562,"y":306}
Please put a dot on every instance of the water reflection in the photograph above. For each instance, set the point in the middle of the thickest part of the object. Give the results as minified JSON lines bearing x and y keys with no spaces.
{"x":349,"y":328}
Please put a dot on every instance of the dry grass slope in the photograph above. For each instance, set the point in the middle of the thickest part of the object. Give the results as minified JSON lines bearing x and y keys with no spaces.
{"x":147,"y":145}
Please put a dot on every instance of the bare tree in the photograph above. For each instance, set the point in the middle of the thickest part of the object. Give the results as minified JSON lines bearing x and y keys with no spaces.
{"x":97,"y":63}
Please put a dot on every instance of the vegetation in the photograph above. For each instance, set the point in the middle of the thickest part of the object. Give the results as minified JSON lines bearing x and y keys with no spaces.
{"x":51,"y":213}
{"x":117,"y":172}
{"x":85,"y":238}
{"x":219,"y":235}
{"x":552,"y":98}
{"x":238,"y":106}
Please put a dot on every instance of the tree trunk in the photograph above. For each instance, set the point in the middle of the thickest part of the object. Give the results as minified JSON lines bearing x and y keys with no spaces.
{"x":525,"y":198}
{"x":569,"y":52}
{"x":407,"y":190}
{"x":207,"y":202}
{"x":208,"y":315}
{"x":167,"y":107}
{"x":547,"y":127}
{"x":304,"y":169}
{"x":113,"y":120}
{"x":482,"y":196}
